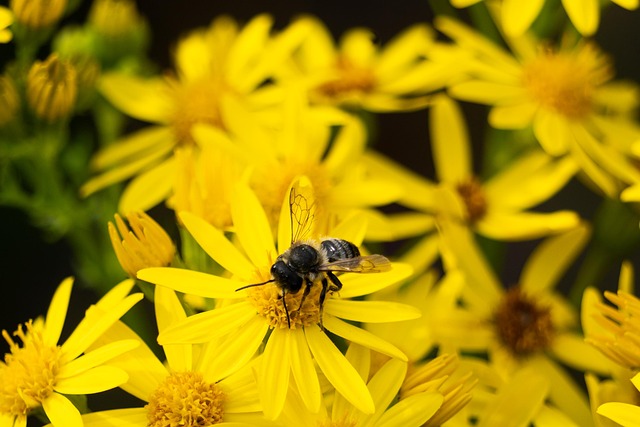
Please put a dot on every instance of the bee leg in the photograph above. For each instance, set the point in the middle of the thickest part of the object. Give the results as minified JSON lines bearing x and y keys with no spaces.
{"x":286,"y":310}
{"x":306,"y":291}
{"x":334,"y":281}
{"x":323,"y":294}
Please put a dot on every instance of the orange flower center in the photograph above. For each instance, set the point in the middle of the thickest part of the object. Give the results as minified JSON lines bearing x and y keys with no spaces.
{"x":351,"y":82}
{"x":473,"y":198}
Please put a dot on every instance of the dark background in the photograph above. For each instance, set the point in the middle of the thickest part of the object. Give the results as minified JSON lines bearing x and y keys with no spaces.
{"x":31,"y":267}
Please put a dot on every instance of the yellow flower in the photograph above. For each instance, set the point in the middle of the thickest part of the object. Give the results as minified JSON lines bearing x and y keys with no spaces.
{"x":218,"y":81}
{"x":40,"y":372}
{"x":565,"y":94}
{"x":142,"y":244}
{"x":37,"y":14}
{"x":359,"y":73}
{"x":114,"y":18}
{"x":384,"y":385}
{"x":296,"y":338}
{"x":9,"y":100}
{"x":198,"y":385}
{"x":6,"y":19}
{"x":517,"y":15}
{"x":528,"y":324}
{"x":498,"y":208}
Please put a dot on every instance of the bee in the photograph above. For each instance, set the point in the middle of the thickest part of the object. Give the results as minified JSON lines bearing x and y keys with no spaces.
{"x":308,"y":261}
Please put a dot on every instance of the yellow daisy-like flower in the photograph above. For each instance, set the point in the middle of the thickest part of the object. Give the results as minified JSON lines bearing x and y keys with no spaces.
{"x":384,"y":385}
{"x":565,"y":94}
{"x":198,"y":385}
{"x":625,"y":414}
{"x":358,"y":72}
{"x":220,"y":71}
{"x":295,"y":338}
{"x":6,"y":19}
{"x":322,"y":143}
{"x":498,"y":208}
{"x":517,"y":15}
{"x":528,"y":324}
{"x":40,"y":372}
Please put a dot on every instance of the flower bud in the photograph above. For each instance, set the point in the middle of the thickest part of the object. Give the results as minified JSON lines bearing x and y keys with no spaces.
{"x":9,"y":100}
{"x":37,"y":14}
{"x":52,"y":88}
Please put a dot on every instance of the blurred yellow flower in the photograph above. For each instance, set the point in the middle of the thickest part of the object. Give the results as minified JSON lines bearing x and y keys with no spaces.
{"x":198,"y":385}
{"x":518,"y":15}
{"x":37,"y":14}
{"x":359,"y":73}
{"x":52,"y":88}
{"x":565,"y":94}
{"x":6,"y":19}
{"x":528,"y":324}
{"x":41,"y":372}
{"x":296,"y":337}
{"x":219,"y":79}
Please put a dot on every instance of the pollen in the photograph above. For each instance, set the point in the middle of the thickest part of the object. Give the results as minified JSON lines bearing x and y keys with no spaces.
{"x":473,"y":198}
{"x":268,"y":301}
{"x":565,"y":81}
{"x":351,"y":82}
{"x":185,"y":399}
{"x":622,"y":324}
{"x":195,"y":102}
{"x":523,"y":325}
{"x":29,"y":372}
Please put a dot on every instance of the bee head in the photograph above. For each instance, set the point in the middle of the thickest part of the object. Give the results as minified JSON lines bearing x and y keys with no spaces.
{"x":286,"y":277}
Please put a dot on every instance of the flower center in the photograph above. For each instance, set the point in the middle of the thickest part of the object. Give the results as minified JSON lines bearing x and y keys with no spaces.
{"x":29,"y":372}
{"x":565,"y":81}
{"x":351,"y":82}
{"x":185,"y":399}
{"x":196,"y":102}
{"x":268,"y":302}
{"x":474,"y":200}
{"x":522,"y":324}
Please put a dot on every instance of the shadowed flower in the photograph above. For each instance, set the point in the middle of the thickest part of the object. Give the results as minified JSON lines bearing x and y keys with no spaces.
{"x":294,"y":337}
{"x":38,"y":373}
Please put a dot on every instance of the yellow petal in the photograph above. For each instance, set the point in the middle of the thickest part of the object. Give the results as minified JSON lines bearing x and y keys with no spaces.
{"x":205,"y":326}
{"x":571,"y":350}
{"x":57,"y":312}
{"x":252,"y":226}
{"x":169,"y":311}
{"x":384,"y":387}
{"x":246,"y":47}
{"x":526,"y":225}
{"x":61,"y":411}
{"x":529,"y":181}
{"x":362,"y":337}
{"x":217,"y":246}
{"x":513,"y":116}
{"x":484,"y":92}
{"x":518,"y":16}
{"x":222,"y":358}
{"x":371,"y":311}
{"x":516,"y":402}
{"x":144,"y":99}
{"x":116,"y":294}
{"x":627,"y":4}
{"x":450,"y":141}
{"x":304,"y":371}
{"x":94,"y":380}
{"x":149,"y":188}
{"x":356,"y":285}
{"x":192,"y":282}
{"x":424,"y":253}
{"x":273,"y":381}
{"x":401,"y":52}
{"x":360,"y":358}
{"x":130,"y":417}
{"x":358,"y":48}
{"x":97,"y":357}
{"x":584,"y":15}
{"x":338,"y":371}
{"x":412,"y":411}
{"x":372,"y":192}
{"x":594,"y":171}
{"x":625,"y":414}
{"x":95,"y":323}
{"x":152,"y":139}
{"x":551,"y":259}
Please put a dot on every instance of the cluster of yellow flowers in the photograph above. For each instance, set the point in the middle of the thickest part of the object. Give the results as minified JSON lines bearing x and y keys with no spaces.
{"x":314,"y":280}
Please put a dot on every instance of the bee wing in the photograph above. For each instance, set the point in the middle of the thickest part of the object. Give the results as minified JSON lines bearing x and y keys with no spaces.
{"x":302,"y":214}
{"x":360,"y":264}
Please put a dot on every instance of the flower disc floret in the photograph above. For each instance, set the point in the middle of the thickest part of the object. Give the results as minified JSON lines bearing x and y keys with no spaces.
{"x":268,"y":302}
{"x":29,"y":372}
{"x":185,"y":399}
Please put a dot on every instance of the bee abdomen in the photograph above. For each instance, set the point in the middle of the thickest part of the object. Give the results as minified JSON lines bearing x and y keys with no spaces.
{"x":338,"y":249}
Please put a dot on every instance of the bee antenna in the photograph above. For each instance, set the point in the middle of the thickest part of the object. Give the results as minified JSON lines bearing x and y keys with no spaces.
{"x":255,"y":284}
